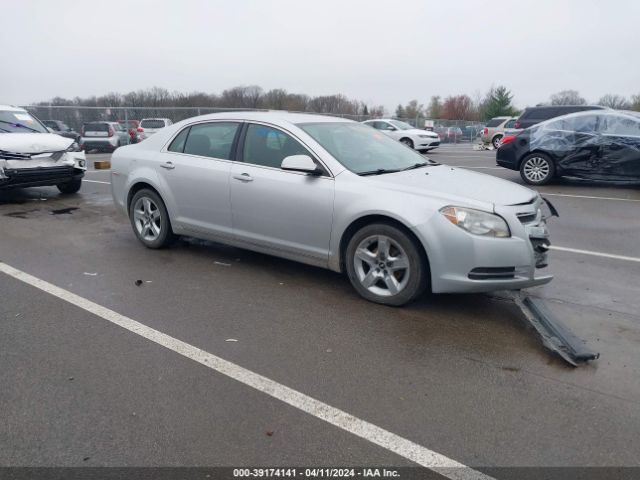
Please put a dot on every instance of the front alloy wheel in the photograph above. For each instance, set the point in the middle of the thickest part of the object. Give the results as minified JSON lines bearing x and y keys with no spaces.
{"x":537,"y":169}
{"x":385,"y":265}
{"x":407,"y":141}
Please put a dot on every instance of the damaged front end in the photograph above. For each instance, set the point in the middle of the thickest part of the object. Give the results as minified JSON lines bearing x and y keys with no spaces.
{"x":39,"y":159}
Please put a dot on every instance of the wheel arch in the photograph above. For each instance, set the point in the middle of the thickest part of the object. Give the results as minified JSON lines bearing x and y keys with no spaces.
{"x":365,"y":220}
{"x":538,"y":151}
{"x":136,"y":187}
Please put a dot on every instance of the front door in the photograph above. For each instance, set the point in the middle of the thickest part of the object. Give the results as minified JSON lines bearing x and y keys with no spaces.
{"x":281,"y":212}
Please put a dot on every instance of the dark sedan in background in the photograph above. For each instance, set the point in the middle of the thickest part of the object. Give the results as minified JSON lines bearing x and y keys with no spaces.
{"x":602,"y":145}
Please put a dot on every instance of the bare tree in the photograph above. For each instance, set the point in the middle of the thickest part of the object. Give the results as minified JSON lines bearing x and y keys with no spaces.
{"x":567,"y":97}
{"x":457,"y":107}
{"x":611,"y":100}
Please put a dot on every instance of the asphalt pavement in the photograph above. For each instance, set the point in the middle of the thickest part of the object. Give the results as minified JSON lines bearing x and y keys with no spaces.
{"x":458,"y":375}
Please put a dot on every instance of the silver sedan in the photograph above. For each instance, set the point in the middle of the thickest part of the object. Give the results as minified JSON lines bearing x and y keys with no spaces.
{"x":336,"y":194}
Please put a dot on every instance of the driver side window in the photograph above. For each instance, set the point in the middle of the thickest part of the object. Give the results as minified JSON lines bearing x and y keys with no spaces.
{"x":267,"y":146}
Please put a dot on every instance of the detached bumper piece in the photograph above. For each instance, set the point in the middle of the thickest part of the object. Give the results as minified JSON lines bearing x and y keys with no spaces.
{"x":554,"y":334}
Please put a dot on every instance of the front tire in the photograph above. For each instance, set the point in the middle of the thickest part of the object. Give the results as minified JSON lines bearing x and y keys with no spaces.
{"x":150,"y":219}
{"x":537,"y":169}
{"x":385,"y":265}
{"x":70,"y":187}
{"x":407,"y":141}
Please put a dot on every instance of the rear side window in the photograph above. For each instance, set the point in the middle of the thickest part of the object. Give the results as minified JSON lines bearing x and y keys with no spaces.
{"x":211,"y":140}
{"x":543,"y":113}
{"x":510,"y":124}
{"x":178,"y":143}
{"x":151,"y":123}
{"x":96,"y":127}
{"x":494,"y":122}
{"x":268,"y":146}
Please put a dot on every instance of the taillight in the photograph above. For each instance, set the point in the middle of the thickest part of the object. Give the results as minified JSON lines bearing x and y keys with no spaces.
{"x":110,"y":132}
{"x":517,"y":124}
{"x":485,"y":131}
{"x":506,"y":139}
{"x":140,"y":129}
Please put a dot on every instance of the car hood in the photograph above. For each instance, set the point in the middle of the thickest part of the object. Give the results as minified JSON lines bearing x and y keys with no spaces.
{"x":457,"y":184}
{"x":33,"y":143}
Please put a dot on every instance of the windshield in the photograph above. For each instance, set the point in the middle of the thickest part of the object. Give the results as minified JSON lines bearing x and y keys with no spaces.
{"x":361,"y":148}
{"x":20,"y":122}
{"x":400,"y":125}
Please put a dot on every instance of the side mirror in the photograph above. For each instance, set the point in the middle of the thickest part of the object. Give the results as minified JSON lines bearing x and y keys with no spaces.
{"x":300,"y":163}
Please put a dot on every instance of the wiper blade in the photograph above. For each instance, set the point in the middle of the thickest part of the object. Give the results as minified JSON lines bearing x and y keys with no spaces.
{"x":417,"y":165}
{"x":379,"y":171}
{"x":20,"y":125}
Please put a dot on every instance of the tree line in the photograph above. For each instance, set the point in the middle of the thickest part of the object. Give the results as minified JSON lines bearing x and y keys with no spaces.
{"x":497,"y":101}
{"x":250,"y":97}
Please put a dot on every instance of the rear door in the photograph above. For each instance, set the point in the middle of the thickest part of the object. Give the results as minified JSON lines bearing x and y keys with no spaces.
{"x":620,"y":147}
{"x":281,"y":212}
{"x":194,"y":171}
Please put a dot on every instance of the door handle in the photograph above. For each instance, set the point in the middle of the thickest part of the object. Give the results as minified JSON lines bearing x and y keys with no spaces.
{"x":244,"y":177}
{"x":168,"y":165}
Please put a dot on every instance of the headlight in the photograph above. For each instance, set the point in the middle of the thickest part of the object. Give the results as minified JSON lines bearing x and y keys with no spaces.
{"x":477,"y":221}
{"x":74,"y":147}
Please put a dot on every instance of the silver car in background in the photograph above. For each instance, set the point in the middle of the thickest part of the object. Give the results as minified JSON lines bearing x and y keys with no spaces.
{"x":336,"y":194}
{"x":150,"y":126}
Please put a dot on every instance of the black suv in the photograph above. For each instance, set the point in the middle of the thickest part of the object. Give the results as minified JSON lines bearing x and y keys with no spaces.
{"x":533,"y":115}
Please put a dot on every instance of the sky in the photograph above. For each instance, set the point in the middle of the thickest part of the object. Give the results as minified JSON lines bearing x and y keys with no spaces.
{"x":383,"y":52}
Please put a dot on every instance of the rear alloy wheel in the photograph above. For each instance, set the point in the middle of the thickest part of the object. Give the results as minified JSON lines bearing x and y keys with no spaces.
{"x":537,"y":169}
{"x":496,"y":141}
{"x":407,"y":141}
{"x":70,"y":187}
{"x":385,"y":265}
{"x":150,"y":219}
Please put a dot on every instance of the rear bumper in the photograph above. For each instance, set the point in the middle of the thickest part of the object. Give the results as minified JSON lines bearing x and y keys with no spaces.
{"x":38,"y":177}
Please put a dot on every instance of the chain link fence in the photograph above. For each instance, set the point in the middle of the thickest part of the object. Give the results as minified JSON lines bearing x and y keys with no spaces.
{"x":450,"y":131}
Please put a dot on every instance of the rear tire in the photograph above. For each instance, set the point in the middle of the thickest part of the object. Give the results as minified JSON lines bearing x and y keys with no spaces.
{"x":496,"y":141}
{"x":385,"y":265}
{"x":537,"y":169}
{"x":70,"y":187}
{"x":150,"y":220}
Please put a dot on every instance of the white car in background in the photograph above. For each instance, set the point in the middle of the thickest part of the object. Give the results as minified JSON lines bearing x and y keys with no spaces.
{"x":412,"y":137}
{"x":149,"y":126}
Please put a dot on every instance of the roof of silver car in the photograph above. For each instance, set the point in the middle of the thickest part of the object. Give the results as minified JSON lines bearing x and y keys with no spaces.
{"x":274,"y":115}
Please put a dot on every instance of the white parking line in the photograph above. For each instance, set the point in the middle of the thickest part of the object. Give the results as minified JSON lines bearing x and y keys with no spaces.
{"x":95,"y":181}
{"x":401,"y":446}
{"x":595,"y":254}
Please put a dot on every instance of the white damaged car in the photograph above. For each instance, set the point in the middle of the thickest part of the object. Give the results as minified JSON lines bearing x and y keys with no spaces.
{"x":30,"y":156}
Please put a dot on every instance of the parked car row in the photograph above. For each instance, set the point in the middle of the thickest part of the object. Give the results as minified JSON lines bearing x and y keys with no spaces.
{"x":106,"y":136}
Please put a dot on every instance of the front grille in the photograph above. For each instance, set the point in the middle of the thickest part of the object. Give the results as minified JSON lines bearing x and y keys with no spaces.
{"x":28,"y":174}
